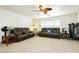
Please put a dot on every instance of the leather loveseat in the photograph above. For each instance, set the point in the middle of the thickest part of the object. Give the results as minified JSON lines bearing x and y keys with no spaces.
{"x":22,"y":34}
{"x":50,"y":32}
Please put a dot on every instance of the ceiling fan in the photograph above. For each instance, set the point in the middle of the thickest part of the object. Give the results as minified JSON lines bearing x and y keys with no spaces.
{"x":43,"y":9}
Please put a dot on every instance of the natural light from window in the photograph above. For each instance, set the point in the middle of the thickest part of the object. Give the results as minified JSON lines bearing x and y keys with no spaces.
{"x":49,"y":24}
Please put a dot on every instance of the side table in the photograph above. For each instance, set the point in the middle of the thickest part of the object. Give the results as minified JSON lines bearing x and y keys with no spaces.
{"x":7,"y":39}
{"x":64,"y":35}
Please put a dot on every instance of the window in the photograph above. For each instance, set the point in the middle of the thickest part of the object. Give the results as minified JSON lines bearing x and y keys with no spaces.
{"x":57,"y":23}
{"x":54,"y":23}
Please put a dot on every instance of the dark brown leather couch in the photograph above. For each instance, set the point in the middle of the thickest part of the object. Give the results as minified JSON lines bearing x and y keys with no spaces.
{"x":22,"y":34}
{"x":50,"y":32}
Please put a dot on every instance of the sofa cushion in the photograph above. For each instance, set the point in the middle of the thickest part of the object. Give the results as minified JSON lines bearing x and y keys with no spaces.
{"x":26,"y":30}
{"x":21,"y":36}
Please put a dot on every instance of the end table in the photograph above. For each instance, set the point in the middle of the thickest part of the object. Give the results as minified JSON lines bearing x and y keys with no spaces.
{"x":5,"y":39}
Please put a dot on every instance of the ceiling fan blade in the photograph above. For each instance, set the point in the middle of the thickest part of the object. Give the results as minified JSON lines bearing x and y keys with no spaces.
{"x":35,"y":10}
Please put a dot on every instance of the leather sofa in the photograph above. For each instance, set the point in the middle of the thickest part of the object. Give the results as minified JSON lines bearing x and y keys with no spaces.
{"x":22,"y":34}
{"x":50,"y":32}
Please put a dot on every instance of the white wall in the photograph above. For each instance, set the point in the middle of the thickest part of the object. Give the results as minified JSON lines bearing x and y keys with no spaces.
{"x":64,"y":19}
{"x":8,"y":18}
{"x":78,"y":16}
{"x":67,"y":19}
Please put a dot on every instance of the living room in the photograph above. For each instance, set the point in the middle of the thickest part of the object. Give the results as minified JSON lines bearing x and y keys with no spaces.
{"x":24,"y":18}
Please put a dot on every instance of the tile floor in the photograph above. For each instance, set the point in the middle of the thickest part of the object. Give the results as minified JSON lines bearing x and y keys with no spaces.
{"x":42,"y":45}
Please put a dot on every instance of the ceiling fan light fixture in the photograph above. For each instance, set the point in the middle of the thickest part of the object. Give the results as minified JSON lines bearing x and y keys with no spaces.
{"x":45,"y":11}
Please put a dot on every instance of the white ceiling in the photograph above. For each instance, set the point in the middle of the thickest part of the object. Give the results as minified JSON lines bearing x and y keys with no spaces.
{"x":27,"y":10}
